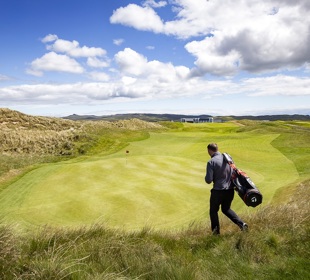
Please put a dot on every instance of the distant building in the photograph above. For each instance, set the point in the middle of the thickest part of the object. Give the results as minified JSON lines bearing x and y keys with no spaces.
{"x":197,"y":120}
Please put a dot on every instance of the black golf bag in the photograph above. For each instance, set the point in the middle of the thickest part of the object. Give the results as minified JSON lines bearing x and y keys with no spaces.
{"x":244,"y":186}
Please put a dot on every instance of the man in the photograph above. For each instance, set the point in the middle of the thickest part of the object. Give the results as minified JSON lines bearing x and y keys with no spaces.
{"x":222,"y":193}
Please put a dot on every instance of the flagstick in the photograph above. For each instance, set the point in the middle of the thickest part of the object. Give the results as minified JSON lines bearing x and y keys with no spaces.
{"x":127,"y":152}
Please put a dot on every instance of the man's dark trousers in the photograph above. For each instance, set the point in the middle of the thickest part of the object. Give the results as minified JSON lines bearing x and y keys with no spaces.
{"x":222,"y":198}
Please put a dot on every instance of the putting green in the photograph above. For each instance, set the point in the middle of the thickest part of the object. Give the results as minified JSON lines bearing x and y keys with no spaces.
{"x":159,"y":183}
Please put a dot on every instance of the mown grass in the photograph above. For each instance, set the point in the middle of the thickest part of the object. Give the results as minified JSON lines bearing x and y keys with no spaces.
{"x":276,"y":247}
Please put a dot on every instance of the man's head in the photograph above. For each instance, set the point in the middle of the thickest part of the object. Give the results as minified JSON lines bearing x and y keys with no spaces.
{"x":212,"y":148}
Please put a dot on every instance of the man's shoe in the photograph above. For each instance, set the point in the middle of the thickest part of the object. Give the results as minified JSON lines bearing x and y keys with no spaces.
{"x":216,"y":231}
{"x":244,"y":227}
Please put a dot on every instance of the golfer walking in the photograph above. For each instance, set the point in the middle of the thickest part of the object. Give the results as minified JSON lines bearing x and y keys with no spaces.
{"x":222,"y":193}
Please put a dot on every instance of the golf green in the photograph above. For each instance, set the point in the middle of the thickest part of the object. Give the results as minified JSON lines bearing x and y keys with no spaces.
{"x":157,"y":182}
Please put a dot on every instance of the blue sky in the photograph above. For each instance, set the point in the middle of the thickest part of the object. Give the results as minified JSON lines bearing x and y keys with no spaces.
{"x":217,"y":57}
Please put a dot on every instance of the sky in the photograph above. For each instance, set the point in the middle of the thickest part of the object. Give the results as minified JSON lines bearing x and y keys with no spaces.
{"x":105,"y":57}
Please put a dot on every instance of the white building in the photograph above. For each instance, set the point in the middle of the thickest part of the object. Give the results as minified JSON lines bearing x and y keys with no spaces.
{"x":197,"y":120}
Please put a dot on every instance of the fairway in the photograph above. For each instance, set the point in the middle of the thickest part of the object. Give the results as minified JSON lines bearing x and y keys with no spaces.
{"x":157,"y":183}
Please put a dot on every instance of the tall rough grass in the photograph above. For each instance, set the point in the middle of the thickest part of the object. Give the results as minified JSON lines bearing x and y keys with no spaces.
{"x":276,"y":247}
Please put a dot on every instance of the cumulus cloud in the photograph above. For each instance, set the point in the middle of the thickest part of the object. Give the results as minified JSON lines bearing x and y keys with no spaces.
{"x":97,"y":63}
{"x":72,"y":48}
{"x":209,"y":58}
{"x":154,"y":4}
{"x":132,"y":63}
{"x":99,"y":76}
{"x":128,"y":80}
{"x":118,"y":42}
{"x":54,"y":62}
{"x":63,"y":56}
{"x":49,"y":38}
{"x":238,"y":35}
{"x":141,"y":18}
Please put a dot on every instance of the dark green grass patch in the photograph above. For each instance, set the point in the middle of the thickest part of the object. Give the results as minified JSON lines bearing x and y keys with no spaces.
{"x":295,"y":146}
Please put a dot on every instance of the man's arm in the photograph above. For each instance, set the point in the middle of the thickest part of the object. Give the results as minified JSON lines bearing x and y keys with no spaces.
{"x":209,"y":174}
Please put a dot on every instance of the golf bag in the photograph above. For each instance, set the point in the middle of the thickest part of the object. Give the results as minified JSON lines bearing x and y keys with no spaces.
{"x":244,"y":186}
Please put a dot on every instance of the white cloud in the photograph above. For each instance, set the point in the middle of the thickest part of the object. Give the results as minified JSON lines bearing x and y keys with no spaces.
{"x":141,"y":18}
{"x":54,"y":62}
{"x":131,"y":62}
{"x":118,"y":42}
{"x":135,"y":64}
{"x":210,"y":60}
{"x":49,"y":38}
{"x":34,"y":72}
{"x":73,"y":49}
{"x":97,"y":63}
{"x":128,"y":80}
{"x":4,"y":78}
{"x":99,"y":76}
{"x":279,"y":85}
{"x":154,"y":4}
{"x":62,"y":57}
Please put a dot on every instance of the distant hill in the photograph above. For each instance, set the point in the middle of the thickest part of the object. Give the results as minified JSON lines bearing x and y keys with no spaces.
{"x":144,"y":117}
{"x":294,"y":117}
{"x":178,"y":117}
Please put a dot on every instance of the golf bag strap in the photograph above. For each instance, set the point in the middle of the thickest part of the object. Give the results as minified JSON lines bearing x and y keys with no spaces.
{"x":234,"y":167}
